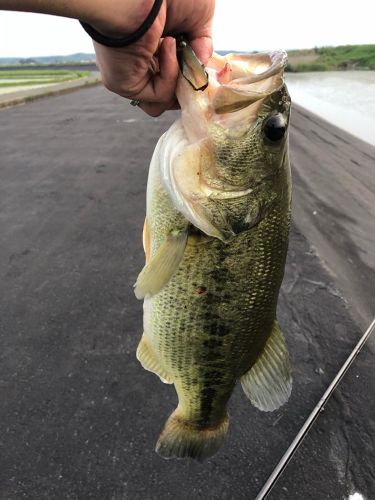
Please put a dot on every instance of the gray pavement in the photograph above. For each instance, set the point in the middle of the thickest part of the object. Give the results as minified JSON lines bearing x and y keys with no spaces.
{"x":79,"y":417}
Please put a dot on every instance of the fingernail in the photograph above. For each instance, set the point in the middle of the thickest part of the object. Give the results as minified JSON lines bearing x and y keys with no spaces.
{"x":173,"y":47}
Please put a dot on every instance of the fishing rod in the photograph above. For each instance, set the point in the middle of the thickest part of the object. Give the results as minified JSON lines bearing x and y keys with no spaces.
{"x":279,"y":469}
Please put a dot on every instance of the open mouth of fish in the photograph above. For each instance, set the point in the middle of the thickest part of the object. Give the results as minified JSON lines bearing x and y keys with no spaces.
{"x":231,"y":83}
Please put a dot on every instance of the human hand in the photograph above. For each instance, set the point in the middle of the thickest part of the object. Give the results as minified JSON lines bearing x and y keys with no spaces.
{"x":148,"y":69}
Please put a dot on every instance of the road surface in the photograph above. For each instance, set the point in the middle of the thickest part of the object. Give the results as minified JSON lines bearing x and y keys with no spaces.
{"x":79,"y":416}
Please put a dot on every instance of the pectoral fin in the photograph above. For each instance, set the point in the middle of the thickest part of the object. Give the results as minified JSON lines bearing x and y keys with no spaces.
{"x":268,"y":383}
{"x":162,"y":266}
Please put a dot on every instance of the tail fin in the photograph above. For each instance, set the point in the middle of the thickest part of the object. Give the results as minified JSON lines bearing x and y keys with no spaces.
{"x":180,"y":439}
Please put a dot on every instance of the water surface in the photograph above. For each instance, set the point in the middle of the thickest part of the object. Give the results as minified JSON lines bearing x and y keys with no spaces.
{"x":344,"y":98}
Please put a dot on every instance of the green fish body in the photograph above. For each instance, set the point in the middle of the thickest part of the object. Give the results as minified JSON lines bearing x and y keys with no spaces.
{"x":216,"y":238}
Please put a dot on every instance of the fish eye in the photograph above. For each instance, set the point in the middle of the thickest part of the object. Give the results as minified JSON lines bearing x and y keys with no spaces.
{"x":275,"y":127}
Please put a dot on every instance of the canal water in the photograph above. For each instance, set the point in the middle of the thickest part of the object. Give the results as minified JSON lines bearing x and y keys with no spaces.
{"x":344,"y":98}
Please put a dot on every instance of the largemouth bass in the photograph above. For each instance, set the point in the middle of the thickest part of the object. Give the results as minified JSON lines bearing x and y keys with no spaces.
{"x":215,"y":239}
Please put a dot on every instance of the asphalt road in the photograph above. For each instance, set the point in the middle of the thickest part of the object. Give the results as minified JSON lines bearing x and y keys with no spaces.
{"x":79,"y":417}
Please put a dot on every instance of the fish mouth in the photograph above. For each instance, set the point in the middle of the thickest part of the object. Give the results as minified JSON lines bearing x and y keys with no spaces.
{"x":246,"y":79}
{"x":238,"y":84}
{"x":245,"y":69}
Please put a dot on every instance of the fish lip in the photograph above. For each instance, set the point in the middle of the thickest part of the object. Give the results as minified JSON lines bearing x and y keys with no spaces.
{"x":248,"y":89}
{"x":190,"y":66}
{"x":278,"y":61}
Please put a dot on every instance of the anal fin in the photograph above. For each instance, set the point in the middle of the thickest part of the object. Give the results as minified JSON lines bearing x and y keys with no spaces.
{"x":162,"y":266}
{"x":149,"y":361}
{"x":268,"y":384}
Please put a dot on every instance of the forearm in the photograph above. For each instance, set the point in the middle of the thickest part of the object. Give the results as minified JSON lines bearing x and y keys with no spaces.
{"x":110,"y":16}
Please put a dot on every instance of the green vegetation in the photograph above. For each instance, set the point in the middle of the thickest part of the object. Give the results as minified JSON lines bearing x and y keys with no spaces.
{"x":21,"y":78}
{"x":332,"y":58}
{"x":31,"y":73}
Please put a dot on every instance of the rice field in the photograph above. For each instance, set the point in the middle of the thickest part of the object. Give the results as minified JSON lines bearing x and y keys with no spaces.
{"x":14,"y":80}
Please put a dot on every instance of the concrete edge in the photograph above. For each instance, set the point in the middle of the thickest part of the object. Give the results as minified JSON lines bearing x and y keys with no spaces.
{"x":17,"y":101}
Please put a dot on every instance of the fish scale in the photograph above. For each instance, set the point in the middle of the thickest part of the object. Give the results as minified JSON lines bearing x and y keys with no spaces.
{"x":215,"y":264}
{"x":182,"y":320}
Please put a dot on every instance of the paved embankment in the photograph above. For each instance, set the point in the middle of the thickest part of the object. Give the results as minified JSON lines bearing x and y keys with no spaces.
{"x":31,"y":94}
{"x":79,"y":417}
{"x":334,"y":204}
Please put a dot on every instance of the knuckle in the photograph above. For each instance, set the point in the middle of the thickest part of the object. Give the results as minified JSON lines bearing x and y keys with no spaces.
{"x":110,"y":84}
{"x":155,"y":114}
{"x":117,"y":87}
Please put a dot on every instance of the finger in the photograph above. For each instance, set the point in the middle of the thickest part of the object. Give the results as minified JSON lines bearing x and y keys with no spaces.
{"x":155,"y":109}
{"x":175,"y":105}
{"x":152,"y":108}
{"x":160,"y":89}
{"x":201,"y":41}
{"x":203,"y":48}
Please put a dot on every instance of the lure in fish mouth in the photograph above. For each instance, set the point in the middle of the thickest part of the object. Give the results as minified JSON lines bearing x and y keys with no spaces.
{"x":215,"y":239}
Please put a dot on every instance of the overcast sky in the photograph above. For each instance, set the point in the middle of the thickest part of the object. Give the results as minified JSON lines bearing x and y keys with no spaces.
{"x":239,"y":25}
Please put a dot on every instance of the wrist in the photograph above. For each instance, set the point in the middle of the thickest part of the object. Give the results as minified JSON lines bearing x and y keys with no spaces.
{"x":122,"y":18}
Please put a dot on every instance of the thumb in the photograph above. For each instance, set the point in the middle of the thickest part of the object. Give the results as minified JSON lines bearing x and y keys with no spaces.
{"x":203,"y":48}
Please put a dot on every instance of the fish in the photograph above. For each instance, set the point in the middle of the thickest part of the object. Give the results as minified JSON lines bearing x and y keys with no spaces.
{"x":215,"y":239}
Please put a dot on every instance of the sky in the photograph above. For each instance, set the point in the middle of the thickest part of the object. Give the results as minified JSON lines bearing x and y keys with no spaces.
{"x":239,"y":25}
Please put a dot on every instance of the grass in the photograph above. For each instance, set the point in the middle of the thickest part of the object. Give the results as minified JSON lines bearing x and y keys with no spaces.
{"x":348,"y":55}
{"x":332,"y":58}
{"x":24,"y":78}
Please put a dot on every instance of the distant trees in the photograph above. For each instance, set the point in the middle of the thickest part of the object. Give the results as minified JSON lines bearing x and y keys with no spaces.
{"x":28,"y":60}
